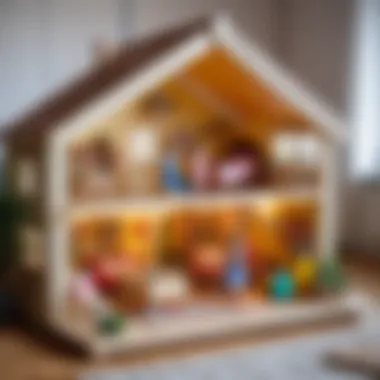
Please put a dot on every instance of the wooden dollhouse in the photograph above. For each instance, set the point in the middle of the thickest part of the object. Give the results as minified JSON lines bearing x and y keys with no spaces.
{"x":184,"y":188}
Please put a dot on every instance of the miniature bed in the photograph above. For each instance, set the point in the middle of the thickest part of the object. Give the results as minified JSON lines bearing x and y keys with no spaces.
{"x":190,"y":191}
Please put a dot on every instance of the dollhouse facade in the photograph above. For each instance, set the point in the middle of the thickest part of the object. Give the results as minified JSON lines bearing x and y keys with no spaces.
{"x":184,"y":177}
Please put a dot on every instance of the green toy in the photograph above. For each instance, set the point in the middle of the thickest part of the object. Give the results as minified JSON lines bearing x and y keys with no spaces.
{"x":282,"y":285}
{"x":331,"y":276}
{"x":111,"y":324}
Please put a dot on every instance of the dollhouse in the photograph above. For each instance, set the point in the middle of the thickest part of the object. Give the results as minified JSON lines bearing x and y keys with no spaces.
{"x":184,"y":188}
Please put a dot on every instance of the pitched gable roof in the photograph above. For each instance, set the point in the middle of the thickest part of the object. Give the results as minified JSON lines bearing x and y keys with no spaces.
{"x":135,"y":56}
{"x":82,"y":91}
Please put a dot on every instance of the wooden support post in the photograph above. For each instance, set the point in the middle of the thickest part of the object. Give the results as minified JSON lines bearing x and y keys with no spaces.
{"x":328,"y":228}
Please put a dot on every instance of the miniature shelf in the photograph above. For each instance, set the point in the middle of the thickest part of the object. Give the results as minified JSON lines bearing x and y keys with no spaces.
{"x":157,"y":204}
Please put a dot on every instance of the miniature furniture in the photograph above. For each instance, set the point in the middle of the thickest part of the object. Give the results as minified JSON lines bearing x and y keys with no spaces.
{"x":189,"y":179}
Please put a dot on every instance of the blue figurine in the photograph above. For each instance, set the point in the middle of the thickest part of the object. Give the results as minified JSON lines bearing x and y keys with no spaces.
{"x":173,"y":178}
{"x":283,"y":285}
{"x":237,"y":276}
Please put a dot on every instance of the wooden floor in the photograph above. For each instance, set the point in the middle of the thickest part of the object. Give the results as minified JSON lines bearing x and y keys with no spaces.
{"x":34,"y":356}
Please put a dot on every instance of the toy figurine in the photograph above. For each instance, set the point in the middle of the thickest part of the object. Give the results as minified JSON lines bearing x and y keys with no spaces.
{"x":173,"y":178}
{"x":83,"y":289}
{"x":111,"y":270}
{"x":111,"y":324}
{"x":111,"y":264}
{"x":173,"y":173}
{"x":201,"y":169}
{"x":282,"y":285}
{"x":237,"y":269}
{"x":207,"y":261}
{"x":109,"y":321}
{"x":238,"y":274}
{"x":305,"y":273}
{"x":331,"y":276}
{"x":241,"y":168}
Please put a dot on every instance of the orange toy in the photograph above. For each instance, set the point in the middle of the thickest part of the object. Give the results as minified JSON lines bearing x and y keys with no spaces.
{"x":206,"y":264}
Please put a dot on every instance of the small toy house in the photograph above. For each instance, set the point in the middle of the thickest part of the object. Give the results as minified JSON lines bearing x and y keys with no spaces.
{"x":177,"y":188}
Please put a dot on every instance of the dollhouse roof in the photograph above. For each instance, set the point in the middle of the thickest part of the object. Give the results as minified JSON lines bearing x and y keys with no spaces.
{"x":137,"y":56}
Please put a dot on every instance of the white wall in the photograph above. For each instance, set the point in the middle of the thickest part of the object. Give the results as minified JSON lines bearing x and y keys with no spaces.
{"x":255,"y":16}
{"x":43,"y":43}
{"x":314,"y":41}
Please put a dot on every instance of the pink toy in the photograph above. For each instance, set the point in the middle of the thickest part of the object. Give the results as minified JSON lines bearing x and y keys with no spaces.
{"x":235,"y":173}
{"x":83,"y":289}
{"x":241,"y":168}
{"x":201,"y":170}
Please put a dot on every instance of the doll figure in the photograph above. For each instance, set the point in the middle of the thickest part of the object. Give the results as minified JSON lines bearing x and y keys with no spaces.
{"x":238,"y":274}
{"x":173,"y":178}
{"x":207,"y":264}
{"x":201,"y":169}
{"x":173,"y":175}
{"x":241,"y":168}
{"x":83,"y":289}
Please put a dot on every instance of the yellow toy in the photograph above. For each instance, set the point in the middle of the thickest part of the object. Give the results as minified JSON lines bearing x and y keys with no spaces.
{"x":305,"y":273}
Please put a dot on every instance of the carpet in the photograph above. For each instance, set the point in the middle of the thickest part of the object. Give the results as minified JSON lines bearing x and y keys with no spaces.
{"x":291,"y":359}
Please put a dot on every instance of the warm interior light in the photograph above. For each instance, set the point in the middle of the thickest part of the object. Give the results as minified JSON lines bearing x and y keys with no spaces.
{"x":268,"y":208}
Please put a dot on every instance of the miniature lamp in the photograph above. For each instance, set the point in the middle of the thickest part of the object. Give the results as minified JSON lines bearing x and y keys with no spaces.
{"x":142,"y":145}
{"x":142,"y":152}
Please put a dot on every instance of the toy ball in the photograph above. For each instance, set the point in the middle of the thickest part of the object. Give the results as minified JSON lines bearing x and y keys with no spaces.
{"x":283,"y":285}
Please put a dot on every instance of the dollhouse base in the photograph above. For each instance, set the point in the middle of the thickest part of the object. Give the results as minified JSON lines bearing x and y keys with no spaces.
{"x":263,"y":318}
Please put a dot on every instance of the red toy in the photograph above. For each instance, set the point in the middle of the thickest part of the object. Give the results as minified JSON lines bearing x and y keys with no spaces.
{"x":109,"y":272}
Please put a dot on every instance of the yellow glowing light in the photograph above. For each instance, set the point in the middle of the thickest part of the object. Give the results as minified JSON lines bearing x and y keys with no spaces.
{"x":268,"y":208}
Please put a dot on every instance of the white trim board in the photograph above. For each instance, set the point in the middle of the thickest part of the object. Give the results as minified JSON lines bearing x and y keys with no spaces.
{"x":157,"y":205}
